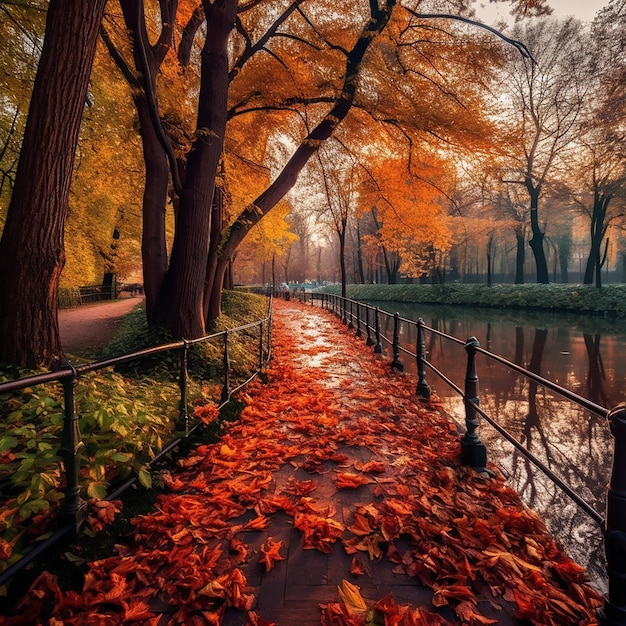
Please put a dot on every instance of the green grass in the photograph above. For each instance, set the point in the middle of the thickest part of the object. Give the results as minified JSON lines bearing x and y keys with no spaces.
{"x":608,"y":301}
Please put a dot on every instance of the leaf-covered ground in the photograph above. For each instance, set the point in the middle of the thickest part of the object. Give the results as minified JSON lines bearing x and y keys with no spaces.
{"x":337,"y":499}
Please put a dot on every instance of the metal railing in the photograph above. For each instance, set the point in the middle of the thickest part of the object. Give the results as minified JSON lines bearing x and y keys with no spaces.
{"x":71,"y":515}
{"x":365,"y":319}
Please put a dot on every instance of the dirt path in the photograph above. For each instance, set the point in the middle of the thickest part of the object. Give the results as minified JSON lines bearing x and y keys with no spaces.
{"x":90,"y":327}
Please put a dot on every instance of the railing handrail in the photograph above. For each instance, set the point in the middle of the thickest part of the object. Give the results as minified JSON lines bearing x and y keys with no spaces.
{"x":566,"y":393}
{"x":69,"y":371}
{"x":473,"y":451}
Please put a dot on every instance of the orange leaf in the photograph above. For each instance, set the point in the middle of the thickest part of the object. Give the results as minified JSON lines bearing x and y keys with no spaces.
{"x":271,"y":554}
{"x":350,"y":481}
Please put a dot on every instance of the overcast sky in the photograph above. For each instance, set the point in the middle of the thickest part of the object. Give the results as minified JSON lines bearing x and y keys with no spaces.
{"x":582,"y":9}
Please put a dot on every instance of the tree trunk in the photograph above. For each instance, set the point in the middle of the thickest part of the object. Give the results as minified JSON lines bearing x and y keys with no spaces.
{"x":180,"y":305}
{"x":342,"y":258}
{"x":217,"y":219}
{"x":147,"y":61}
{"x":32,"y":252}
{"x":598,"y":228}
{"x":153,"y":242}
{"x":520,"y":256}
{"x":536,"y":241}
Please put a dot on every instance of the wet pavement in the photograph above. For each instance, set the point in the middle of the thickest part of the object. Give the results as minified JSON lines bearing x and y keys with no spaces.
{"x":336,"y":498}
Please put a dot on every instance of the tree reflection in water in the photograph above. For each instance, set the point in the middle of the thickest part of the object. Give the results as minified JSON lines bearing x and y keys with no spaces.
{"x":574,"y":444}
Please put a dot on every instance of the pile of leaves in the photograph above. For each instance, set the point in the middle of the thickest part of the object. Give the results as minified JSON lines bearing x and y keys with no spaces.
{"x":327,"y":396}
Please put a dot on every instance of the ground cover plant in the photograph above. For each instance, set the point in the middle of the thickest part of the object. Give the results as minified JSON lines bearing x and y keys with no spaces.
{"x":127,"y":416}
{"x":189,"y":556}
{"x":609,"y":301}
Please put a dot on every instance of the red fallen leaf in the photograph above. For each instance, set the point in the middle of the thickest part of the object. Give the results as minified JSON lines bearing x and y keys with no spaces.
{"x":372,"y":467}
{"x":334,"y":614}
{"x":357,"y":568}
{"x":469,"y":614}
{"x":341,"y":459}
{"x":239,"y":549}
{"x":301,"y":487}
{"x":173,"y":483}
{"x":271,"y":554}
{"x":138,"y":611}
{"x":318,"y":533}
{"x":207,"y":413}
{"x":258,"y":523}
{"x":360,"y":526}
{"x":391,"y":527}
{"x":312,"y":465}
{"x":346,"y":480}
{"x":403,"y":490}
{"x":6,"y":549}
{"x":255,"y":620}
{"x":106,"y":510}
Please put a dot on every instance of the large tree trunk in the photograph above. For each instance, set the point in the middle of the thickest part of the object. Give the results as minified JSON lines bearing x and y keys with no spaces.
{"x":180,"y":305}
{"x":155,"y":146}
{"x":32,"y":251}
{"x":153,"y":242}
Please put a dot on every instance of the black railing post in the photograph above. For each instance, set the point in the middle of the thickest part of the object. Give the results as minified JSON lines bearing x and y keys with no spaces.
{"x":350,"y":322}
{"x":226,"y":388}
{"x":473,"y":451}
{"x":378,"y":347}
{"x":423,"y":388}
{"x":73,"y":511}
{"x":358,"y":319}
{"x":183,"y":379}
{"x":370,"y":341}
{"x":614,"y":613}
{"x":261,"y":359}
{"x":396,"y":363}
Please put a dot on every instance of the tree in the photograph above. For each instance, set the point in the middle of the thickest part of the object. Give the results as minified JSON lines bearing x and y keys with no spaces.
{"x":407,"y":208}
{"x":545,"y":97}
{"x":601,"y":156}
{"x":31,"y":248}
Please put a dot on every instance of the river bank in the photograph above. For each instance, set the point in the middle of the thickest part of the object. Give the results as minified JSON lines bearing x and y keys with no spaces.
{"x":609,"y":301}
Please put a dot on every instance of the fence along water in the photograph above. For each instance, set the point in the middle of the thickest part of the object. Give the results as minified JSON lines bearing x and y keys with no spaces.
{"x":360,"y":316}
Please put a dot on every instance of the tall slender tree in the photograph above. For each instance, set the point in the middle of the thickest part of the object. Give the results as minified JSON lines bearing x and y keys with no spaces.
{"x":546,"y":96}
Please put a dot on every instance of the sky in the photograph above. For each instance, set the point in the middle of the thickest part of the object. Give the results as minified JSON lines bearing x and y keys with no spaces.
{"x":582,"y":9}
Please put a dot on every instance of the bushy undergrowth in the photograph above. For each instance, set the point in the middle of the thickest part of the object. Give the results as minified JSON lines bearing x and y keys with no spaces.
{"x":610,"y":300}
{"x":126,"y":418}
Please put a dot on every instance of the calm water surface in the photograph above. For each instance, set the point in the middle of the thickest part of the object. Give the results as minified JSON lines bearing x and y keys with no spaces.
{"x":584,"y":355}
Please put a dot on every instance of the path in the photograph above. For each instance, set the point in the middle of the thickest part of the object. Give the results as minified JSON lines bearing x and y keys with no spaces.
{"x":91,"y":326}
{"x":334,"y":475}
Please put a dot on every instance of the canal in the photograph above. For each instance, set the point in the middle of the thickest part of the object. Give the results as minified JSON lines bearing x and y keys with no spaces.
{"x":582,"y":354}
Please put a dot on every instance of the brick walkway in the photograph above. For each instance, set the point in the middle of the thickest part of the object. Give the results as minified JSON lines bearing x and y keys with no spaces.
{"x":337,"y":465}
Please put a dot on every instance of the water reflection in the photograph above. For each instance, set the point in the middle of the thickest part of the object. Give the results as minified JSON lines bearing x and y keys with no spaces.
{"x":576,"y":445}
